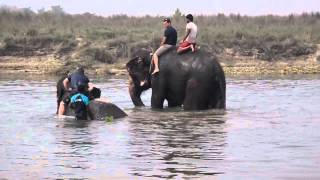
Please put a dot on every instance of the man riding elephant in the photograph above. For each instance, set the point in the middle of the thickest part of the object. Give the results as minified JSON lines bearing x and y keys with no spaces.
{"x":169,"y":41}
{"x":189,"y":40}
{"x":194,"y":80}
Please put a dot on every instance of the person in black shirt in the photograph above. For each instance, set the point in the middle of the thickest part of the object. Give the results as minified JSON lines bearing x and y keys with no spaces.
{"x":72,"y":83}
{"x":169,"y":41}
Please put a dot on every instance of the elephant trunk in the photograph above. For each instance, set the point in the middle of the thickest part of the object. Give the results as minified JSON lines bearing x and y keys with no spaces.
{"x":135,"y":93}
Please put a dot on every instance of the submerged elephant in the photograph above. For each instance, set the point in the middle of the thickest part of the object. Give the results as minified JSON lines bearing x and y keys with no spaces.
{"x":99,"y":109}
{"x":194,"y":80}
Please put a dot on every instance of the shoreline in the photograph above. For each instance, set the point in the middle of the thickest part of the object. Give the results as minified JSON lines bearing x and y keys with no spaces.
{"x":232,"y":65}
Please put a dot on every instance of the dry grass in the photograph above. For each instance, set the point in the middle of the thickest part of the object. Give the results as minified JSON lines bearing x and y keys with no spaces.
{"x":55,"y":42}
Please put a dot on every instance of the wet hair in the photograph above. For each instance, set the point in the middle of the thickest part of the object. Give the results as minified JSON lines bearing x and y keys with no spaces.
{"x":167,"y":20}
{"x":94,"y":93}
{"x":190,"y":17}
{"x":81,"y":88}
{"x":80,"y":70}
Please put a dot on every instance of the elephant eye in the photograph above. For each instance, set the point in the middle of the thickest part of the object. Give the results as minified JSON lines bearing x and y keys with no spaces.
{"x":140,"y":60}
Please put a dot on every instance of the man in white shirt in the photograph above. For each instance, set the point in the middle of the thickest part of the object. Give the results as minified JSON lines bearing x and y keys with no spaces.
{"x":189,"y":40}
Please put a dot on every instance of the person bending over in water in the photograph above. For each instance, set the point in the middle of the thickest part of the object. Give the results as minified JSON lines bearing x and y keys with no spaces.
{"x":80,"y":103}
{"x":71,"y":83}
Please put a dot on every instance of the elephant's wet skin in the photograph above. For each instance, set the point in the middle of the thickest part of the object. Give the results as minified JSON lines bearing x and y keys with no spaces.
{"x":100,"y":110}
{"x":194,"y":80}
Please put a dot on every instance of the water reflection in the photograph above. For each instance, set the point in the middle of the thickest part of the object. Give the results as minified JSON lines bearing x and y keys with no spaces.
{"x":269,"y":131}
{"x":176,"y":144}
{"x":73,"y":148}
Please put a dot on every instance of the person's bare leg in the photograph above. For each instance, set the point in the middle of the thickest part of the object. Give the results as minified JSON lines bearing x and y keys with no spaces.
{"x":150,"y":68}
{"x":62,"y":109}
{"x":90,"y":86}
{"x":156,"y":64}
{"x":192,"y":48}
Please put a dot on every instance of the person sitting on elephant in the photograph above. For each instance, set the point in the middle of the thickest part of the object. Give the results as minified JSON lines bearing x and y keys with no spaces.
{"x":189,"y":40}
{"x":71,"y":85}
{"x":169,"y":41}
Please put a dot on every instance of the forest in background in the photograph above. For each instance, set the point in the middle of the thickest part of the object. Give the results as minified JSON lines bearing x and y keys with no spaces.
{"x":93,"y":38}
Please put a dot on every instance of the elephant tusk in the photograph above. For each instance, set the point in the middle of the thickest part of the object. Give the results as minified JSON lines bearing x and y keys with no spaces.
{"x":142,"y":83}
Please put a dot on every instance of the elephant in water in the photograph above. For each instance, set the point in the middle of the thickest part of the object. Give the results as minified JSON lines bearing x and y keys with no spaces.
{"x":194,"y":80}
{"x":99,"y":109}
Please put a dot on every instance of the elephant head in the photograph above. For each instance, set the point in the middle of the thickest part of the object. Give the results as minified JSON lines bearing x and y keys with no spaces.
{"x":140,"y":78}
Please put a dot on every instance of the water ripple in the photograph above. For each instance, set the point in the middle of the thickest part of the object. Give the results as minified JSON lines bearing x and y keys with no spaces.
{"x":270,"y":129}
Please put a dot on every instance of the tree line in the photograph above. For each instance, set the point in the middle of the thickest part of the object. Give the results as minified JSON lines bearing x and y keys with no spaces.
{"x":108,"y":39}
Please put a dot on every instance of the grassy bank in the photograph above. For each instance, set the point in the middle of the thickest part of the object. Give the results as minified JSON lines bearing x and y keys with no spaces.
{"x":53,"y":41}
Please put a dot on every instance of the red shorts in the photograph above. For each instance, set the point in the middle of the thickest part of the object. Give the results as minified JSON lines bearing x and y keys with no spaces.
{"x":185,"y":44}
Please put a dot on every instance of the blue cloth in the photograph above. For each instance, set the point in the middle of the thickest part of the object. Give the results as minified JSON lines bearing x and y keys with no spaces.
{"x":80,"y":97}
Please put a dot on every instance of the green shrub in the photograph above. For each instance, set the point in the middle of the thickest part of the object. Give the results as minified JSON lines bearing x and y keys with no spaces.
{"x":97,"y":54}
{"x":267,"y":37}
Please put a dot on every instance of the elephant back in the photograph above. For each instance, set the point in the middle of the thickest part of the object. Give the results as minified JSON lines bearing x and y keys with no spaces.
{"x":189,"y":62}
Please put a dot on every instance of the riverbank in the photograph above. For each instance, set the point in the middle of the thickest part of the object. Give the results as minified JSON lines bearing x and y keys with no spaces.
{"x":54,"y":42}
{"x":232,"y":65}
{"x":307,"y":64}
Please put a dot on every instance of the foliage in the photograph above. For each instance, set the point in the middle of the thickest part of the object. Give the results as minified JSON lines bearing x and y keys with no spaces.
{"x":108,"y":39}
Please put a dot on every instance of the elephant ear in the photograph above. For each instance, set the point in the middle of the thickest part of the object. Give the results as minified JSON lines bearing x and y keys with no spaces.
{"x":150,"y":49}
{"x":142,"y":53}
{"x":131,"y":63}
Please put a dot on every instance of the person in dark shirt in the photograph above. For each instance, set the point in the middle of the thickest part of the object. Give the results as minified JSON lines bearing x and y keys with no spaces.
{"x":72,"y":83}
{"x":80,"y":103}
{"x":78,"y":77}
{"x":169,"y":41}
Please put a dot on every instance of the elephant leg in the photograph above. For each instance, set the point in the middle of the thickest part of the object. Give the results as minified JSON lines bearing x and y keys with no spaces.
{"x":176,"y":93}
{"x":217,"y":97}
{"x":157,"y":99}
{"x":197,"y":95}
{"x":158,"y":92}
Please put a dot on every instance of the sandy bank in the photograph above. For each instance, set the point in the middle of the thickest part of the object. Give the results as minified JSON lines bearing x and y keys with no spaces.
{"x":232,"y":65}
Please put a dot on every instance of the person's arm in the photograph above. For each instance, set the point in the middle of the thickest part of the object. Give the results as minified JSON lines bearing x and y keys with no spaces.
{"x":90,"y":113}
{"x":163,"y":40}
{"x":166,"y":34}
{"x":66,"y":83}
{"x":187,"y":34}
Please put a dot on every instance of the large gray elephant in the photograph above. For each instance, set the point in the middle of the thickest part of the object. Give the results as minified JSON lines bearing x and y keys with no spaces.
{"x":194,"y":80}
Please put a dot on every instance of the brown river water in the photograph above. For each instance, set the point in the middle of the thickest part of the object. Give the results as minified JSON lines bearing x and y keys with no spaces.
{"x":270,"y":130}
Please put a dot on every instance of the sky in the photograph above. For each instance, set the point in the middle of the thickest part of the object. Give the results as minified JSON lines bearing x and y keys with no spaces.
{"x":168,"y":7}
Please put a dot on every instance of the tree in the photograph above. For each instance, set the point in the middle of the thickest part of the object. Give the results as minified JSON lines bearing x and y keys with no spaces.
{"x":177,"y":13}
{"x":177,"y":16}
{"x":57,"y":10}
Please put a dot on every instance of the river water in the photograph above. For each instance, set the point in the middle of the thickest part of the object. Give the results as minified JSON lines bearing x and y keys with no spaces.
{"x":270,"y":130}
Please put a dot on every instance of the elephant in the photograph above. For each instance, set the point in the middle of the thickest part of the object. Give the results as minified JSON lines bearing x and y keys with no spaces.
{"x":195,"y":81}
{"x":99,"y":109}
